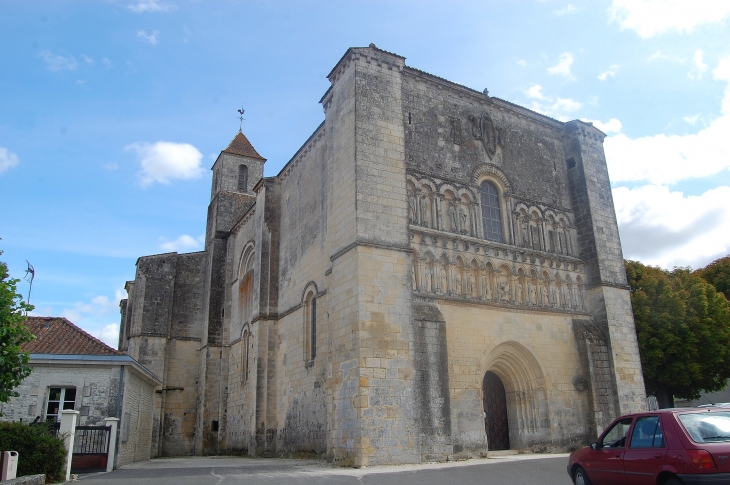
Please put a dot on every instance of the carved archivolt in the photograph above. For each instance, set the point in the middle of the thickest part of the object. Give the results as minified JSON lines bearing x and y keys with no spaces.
{"x":494,"y":172}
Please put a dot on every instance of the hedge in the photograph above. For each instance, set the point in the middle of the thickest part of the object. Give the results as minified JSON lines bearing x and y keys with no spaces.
{"x":39,"y":451}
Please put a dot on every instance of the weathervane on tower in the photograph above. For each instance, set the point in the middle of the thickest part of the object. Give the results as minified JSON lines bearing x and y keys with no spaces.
{"x":241,"y":118}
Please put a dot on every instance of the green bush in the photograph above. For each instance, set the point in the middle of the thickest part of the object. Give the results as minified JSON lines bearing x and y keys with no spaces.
{"x":38,"y":450}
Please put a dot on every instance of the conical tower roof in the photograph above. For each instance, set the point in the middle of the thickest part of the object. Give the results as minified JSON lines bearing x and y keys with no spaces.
{"x":241,"y":146}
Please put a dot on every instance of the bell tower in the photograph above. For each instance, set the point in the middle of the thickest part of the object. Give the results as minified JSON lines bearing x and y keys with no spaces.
{"x":235,"y":173}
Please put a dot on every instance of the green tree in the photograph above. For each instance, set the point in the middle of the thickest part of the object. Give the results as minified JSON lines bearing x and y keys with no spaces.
{"x":683,"y":329}
{"x":717,"y":274}
{"x":13,"y":333}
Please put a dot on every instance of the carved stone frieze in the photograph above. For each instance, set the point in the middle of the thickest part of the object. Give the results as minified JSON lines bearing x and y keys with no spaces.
{"x":499,"y":276}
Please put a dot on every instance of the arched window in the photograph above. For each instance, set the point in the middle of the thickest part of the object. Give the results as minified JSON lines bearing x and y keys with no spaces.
{"x":310,"y":327}
{"x":243,"y":178}
{"x":491,"y":217}
{"x":244,"y":355}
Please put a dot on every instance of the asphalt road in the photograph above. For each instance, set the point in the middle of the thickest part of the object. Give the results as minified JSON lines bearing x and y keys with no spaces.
{"x":522,"y":469}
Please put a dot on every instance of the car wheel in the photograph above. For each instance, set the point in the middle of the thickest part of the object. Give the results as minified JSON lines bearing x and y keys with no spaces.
{"x":673,"y":481}
{"x":580,"y":477}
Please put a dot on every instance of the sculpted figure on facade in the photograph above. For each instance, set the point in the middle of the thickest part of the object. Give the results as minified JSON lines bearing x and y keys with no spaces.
{"x":413,"y":276}
{"x":464,"y":217}
{"x":565,"y":296}
{"x":428,"y":274}
{"x":454,"y":217}
{"x":544,"y":297}
{"x":424,"y":211}
{"x":412,"y":217}
{"x":518,"y":291}
{"x":472,"y":285}
{"x":458,"y":286}
{"x":554,"y":298}
{"x":577,"y":301}
{"x":488,"y":288}
{"x":532,"y":293}
{"x":444,"y":281}
{"x":525,"y":232}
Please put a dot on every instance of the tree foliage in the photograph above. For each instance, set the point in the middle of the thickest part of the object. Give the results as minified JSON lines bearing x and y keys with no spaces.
{"x":683,"y":329}
{"x":717,"y":274}
{"x":13,"y":333}
{"x":39,"y":451}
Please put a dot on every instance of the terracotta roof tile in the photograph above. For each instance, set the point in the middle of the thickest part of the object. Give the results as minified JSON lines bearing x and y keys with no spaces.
{"x":56,"y":335}
{"x":241,"y":146}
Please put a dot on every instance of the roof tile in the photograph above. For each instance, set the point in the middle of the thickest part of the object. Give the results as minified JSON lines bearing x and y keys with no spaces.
{"x":56,"y":335}
{"x":241,"y":146}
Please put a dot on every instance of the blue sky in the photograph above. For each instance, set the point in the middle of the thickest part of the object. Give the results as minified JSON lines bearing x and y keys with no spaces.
{"x":112,"y":113}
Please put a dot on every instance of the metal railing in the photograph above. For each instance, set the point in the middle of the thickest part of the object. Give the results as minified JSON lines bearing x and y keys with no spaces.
{"x":92,"y":440}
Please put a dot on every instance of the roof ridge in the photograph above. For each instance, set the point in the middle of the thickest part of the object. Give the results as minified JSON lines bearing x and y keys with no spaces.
{"x":240,"y":145}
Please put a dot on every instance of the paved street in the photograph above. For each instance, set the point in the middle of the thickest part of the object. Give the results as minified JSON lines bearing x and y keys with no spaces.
{"x":521,"y":469}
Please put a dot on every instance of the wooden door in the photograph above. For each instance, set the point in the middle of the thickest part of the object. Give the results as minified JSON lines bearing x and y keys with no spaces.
{"x":495,"y":408}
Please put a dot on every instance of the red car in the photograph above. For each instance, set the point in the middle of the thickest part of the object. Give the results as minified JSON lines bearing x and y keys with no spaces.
{"x":677,"y":446}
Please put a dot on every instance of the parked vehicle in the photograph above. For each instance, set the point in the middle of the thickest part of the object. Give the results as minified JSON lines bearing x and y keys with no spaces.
{"x":689,"y":446}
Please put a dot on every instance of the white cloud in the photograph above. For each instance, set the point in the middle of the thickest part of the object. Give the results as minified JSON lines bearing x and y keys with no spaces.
{"x":164,"y":161}
{"x":560,"y":108}
{"x":661,"y":56}
{"x":107,"y":63}
{"x":611,"y":72}
{"x":667,"y":159}
{"x":150,"y":37}
{"x":8,"y":159}
{"x":534,"y":92}
{"x":143,"y":6}
{"x":691,"y":119}
{"x":611,"y":126}
{"x":111,"y":166}
{"x":562,"y":68}
{"x":568,"y":9}
{"x":109,"y":334}
{"x":666,"y":228}
{"x":700,"y":66}
{"x":652,"y":17}
{"x":56,"y":62}
{"x":522,"y":63}
{"x":87,"y":59}
{"x":181,"y":244}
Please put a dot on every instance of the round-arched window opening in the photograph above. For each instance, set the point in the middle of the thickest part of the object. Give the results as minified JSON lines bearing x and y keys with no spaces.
{"x":491,"y":216}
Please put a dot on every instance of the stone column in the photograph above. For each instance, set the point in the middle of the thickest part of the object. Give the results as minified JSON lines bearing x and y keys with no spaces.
{"x":509,"y":238}
{"x":111,"y":456}
{"x":69,"y":418}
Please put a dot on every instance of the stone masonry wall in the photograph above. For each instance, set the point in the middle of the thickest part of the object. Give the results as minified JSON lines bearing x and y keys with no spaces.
{"x":96,"y":392}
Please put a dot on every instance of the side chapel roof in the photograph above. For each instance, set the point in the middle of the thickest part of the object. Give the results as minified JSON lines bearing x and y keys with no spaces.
{"x":241,"y":146}
{"x":56,"y":335}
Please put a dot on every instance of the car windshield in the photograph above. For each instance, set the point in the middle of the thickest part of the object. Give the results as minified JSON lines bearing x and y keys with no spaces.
{"x":707,"y":427}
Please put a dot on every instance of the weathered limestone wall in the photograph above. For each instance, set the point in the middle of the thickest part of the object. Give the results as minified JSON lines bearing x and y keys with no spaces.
{"x":600,"y":247}
{"x":165,"y":314}
{"x":135,"y":433}
{"x":535,"y":355}
{"x":97,"y":389}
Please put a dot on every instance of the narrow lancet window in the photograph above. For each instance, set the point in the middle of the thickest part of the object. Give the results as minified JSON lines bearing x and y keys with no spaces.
{"x":491,"y":217}
{"x":314,"y":329}
{"x":243,"y":178}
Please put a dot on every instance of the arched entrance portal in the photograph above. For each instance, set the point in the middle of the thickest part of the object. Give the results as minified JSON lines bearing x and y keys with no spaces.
{"x":495,"y":410}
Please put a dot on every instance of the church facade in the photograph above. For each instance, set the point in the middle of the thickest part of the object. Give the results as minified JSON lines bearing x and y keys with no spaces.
{"x":436,"y":273}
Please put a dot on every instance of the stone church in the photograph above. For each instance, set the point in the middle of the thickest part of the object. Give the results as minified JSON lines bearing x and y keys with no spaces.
{"x":434,"y":274}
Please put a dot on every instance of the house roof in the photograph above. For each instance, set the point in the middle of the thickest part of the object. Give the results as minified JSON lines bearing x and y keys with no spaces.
{"x":56,"y":335}
{"x":241,"y":146}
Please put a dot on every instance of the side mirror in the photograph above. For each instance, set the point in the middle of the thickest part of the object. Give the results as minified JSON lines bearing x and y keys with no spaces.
{"x":594,"y":445}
